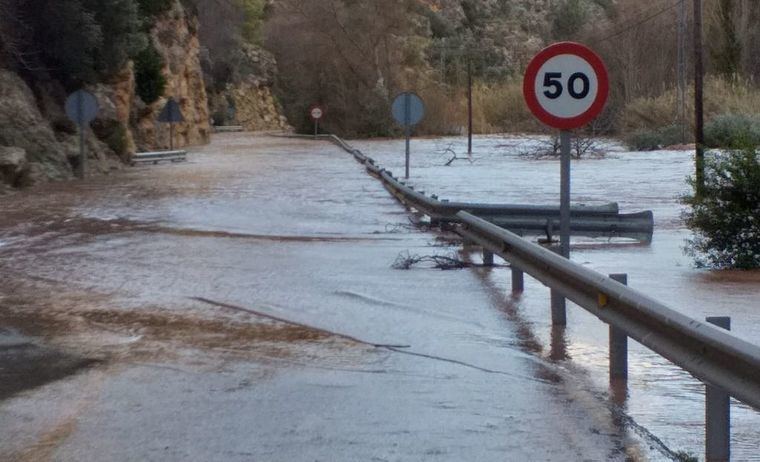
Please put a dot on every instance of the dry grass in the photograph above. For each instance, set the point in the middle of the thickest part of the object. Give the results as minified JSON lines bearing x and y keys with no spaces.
{"x":500,"y":108}
{"x":497,"y":108}
{"x":721,"y":97}
{"x":446,"y":110}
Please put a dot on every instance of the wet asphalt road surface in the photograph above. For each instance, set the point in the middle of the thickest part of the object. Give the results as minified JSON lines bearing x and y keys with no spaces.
{"x":155,"y":301}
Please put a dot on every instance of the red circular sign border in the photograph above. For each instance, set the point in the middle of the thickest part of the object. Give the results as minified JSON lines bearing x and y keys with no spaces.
{"x":566,"y":48}
{"x":317,"y":106}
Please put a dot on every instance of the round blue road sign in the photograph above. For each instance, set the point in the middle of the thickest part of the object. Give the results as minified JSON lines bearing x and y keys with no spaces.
{"x":81,"y":107}
{"x":408,"y":109}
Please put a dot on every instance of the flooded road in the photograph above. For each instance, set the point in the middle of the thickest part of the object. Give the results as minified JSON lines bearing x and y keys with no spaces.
{"x":662,"y":398}
{"x":243,"y":307}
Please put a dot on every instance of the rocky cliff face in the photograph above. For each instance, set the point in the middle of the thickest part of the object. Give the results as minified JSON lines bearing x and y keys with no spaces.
{"x":41,"y":144}
{"x":248,"y":100}
{"x":175,"y":36}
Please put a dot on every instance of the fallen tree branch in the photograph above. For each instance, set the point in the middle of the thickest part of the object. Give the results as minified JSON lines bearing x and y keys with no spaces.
{"x":406,"y":260}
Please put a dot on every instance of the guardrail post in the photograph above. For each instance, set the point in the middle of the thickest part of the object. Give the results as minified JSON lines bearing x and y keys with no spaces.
{"x":518,"y":280}
{"x":717,"y":413}
{"x":559,"y":309}
{"x":618,"y":343}
{"x":487,"y":258}
{"x":559,"y":304}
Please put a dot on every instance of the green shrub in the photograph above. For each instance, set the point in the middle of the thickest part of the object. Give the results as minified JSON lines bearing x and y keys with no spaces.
{"x":73,"y":41}
{"x":114,"y":134}
{"x":69,"y":36}
{"x":726,"y":220}
{"x":150,"y":8}
{"x":651,"y":140}
{"x":733,"y":131}
{"x":149,"y":78}
{"x":252,"y":13}
{"x":123,"y":37}
{"x":568,"y":18}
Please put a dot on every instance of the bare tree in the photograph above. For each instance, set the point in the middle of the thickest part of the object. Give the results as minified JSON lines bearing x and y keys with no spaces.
{"x":349,"y":56}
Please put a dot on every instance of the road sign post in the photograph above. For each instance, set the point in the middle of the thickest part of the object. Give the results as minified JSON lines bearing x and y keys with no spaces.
{"x":564,"y":193}
{"x":316,"y":113}
{"x":408,"y":110}
{"x":81,"y":108}
{"x":566,"y":86}
{"x":171,"y":114}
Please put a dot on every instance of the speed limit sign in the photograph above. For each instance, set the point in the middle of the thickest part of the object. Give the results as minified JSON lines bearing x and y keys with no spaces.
{"x":566,"y":85}
{"x":316,"y":112}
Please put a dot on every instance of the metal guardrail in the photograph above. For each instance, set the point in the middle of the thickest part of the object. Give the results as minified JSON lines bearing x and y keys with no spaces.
{"x":526,"y":219}
{"x":158,"y":156}
{"x":710,"y":354}
{"x":590,"y":221}
{"x":228,"y":128}
{"x":726,"y":364}
{"x":639,"y":226}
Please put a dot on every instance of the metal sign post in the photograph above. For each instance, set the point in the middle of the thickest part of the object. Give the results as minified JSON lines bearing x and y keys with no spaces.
{"x":469,"y":106}
{"x":408,"y":110}
{"x":316,"y":113}
{"x":565,"y":86}
{"x":407,"y":129}
{"x":564,"y":198}
{"x":81,"y":108}
{"x":171,"y":114}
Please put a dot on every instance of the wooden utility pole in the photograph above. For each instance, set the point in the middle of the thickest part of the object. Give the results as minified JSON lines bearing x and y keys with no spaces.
{"x":469,"y":105}
{"x":699,"y":132}
{"x":681,"y":68}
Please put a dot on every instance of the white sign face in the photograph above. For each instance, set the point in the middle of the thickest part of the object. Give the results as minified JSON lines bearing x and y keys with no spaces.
{"x":316,"y":113}
{"x":566,"y":86}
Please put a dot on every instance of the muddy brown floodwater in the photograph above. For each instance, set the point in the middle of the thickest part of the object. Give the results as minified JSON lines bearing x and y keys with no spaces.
{"x":243,"y":306}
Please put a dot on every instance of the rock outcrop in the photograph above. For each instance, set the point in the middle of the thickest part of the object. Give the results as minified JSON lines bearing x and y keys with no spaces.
{"x":133,"y":125}
{"x":13,"y":164}
{"x":48,"y":152}
{"x":33,"y":122}
{"x":22,"y":125}
{"x":175,"y":36}
{"x":249,"y":101}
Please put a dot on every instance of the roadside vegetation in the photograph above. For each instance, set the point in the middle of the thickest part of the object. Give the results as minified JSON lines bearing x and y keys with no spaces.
{"x":726,"y":220}
{"x":354,"y":57}
{"x":76,"y":42}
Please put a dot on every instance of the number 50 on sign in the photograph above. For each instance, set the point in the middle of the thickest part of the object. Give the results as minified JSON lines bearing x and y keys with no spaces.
{"x":566,"y":85}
